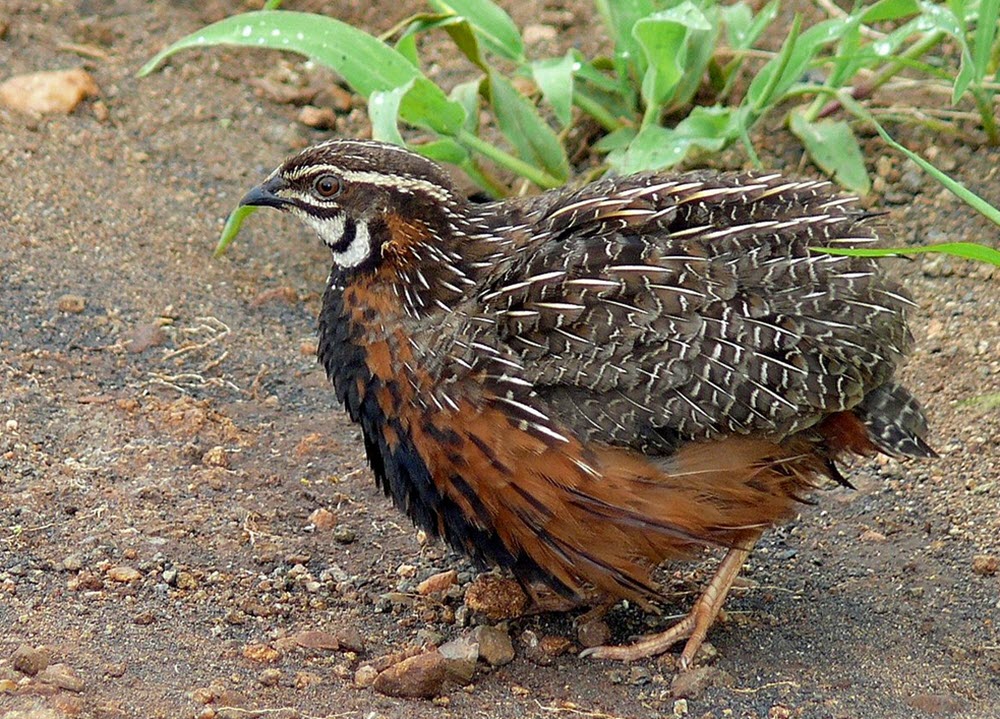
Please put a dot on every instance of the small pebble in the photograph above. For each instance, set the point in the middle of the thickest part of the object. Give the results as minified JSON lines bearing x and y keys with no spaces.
{"x":304,"y":680}
{"x":364,"y":677}
{"x":460,"y":657}
{"x":73,"y":304}
{"x":935,"y":703}
{"x":870,"y":535}
{"x":496,"y":597}
{"x":124,"y":573}
{"x":54,"y":91}
{"x":61,"y":676}
{"x":323,"y":519}
{"x":315,"y":639}
{"x":30,"y":660}
{"x":985,"y":565}
{"x":437,"y":583}
{"x":261,"y":653}
{"x":343,"y":534}
{"x":269,"y":677}
{"x":422,"y":676}
{"x":143,"y":337}
{"x":215,"y":457}
{"x":595,"y":633}
{"x":533,"y":34}
{"x":321,"y":118}
{"x":555,"y":646}
{"x":693,"y":682}
{"x":495,"y":646}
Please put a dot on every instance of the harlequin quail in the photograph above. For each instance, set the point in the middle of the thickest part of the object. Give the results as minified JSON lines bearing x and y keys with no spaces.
{"x":579,"y":385}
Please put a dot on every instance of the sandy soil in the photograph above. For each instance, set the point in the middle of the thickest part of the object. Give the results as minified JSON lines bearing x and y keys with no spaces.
{"x":166,"y":439}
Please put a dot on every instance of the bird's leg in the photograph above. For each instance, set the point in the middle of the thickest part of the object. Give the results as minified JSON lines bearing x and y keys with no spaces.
{"x":694,"y":627}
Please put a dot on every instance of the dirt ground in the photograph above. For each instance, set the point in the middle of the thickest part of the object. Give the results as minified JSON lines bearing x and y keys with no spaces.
{"x":166,"y":438}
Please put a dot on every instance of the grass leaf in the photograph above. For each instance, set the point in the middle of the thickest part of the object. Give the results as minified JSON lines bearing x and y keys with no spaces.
{"x":383,"y":111}
{"x":666,"y":38}
{"x":965,"y":250}
{"x":555,"y":79}
{"x":963,"y":193}
{"x":520,"y":123}
{"x":232,"y":228}
{"x":365,"y":62}
{"x":834,"y":148}
{"x":492,"y":24}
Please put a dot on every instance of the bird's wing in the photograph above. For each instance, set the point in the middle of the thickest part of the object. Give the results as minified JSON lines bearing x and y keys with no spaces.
{"x":653,"y":311}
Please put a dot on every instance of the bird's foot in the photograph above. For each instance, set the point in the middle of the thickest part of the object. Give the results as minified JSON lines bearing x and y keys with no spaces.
{"x":694,"y":627}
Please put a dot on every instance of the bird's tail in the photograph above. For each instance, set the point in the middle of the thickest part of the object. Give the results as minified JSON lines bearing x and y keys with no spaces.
{"x":895,"y":421}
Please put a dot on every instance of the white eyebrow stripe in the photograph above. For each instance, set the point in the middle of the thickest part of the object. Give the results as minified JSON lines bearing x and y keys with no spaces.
{"x":402,"y":183}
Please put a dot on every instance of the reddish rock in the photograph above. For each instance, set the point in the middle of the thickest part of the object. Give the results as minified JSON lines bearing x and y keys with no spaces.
{"x":422,"y":676}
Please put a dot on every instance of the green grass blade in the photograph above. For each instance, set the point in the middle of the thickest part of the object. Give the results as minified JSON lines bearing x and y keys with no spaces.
{"x":834,"y":148}
{"x":986,"y":32}
{"x":383,"y":111}
{"x":670,"y":41}
{"x":232,"y":228}
{"x":963,"y":193}
{"x":887,"y":10}
{"x":365,"y":62}
{"x":554,"y":77}
{"x":965,"y":250}
{"x":520,"y":123}
{"x":492,"y":24}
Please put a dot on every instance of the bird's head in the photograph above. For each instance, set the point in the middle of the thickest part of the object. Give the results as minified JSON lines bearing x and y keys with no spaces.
{"x":366,"y":200}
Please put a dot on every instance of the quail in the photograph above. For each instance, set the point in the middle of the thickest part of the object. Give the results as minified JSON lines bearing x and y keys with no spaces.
{"x":580,"y":385}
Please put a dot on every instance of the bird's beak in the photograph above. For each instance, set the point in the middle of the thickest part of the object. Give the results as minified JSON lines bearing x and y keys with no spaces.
{"x":266,"y":194}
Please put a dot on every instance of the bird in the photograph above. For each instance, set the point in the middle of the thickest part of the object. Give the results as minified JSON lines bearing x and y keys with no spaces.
{"x":580,"y":385}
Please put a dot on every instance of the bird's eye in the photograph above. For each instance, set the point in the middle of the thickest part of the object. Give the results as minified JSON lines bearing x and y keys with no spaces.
{"x":327,"y":186}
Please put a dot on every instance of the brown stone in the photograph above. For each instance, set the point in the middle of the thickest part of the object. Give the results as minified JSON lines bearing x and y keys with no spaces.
{"x":935,"y":703}
{"x":985,"y":565}
{"x":55,"y":91}
{"x":495,"y":646}
{"x":496,"y":597}
{"x":595,"y":633}
{"x":323,"y":519}
{"x":422,"y":676}
{"x":365,"y":676}
{"x":215,"y":457}
{"x":322,"y":118}
{"x":74,"y":304}
{"x":460,"y":657}
{"x":62,"y":676}
{"x":437,"y":583}
{"x":30,"y":660}
{"x":143,"y":337}
{"x":123,"y":573}
{"x":692,"y":683}
{"x":261,"y":653}
{"x":315,"y":639}
{"x":554,"y":646}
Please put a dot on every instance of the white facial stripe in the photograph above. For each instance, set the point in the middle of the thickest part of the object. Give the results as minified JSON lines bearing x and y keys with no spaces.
{"x":395,"y":182}
{"x":359,"y":249}
{"x":331,"y":230}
